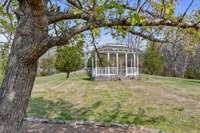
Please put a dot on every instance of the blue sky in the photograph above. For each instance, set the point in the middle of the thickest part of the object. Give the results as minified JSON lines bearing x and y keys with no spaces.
{"x":184,"y":4}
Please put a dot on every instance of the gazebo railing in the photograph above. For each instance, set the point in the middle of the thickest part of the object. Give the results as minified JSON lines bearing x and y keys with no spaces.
{"x":109,"y":71}
{"x":113,"y":71}
{"x":102,"y":71}
{"x":131,"y":71}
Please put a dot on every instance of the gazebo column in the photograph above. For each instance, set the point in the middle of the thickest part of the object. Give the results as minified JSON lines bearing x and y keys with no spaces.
{"x":96,"y":74}
{"x":131,"y":67}
{"x":134,"y":65}
{"x":126,"y":63}
{"x":108,"y":55}
{"x":131,"y":61}
{"x":137,"y":64}
{"x":117,"y":60}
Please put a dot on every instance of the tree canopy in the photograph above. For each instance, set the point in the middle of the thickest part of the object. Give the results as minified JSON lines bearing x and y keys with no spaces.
{"x":69,"y":58}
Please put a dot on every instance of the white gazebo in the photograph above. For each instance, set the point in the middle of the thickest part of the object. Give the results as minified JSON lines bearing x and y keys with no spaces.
{"x":115,"y":62}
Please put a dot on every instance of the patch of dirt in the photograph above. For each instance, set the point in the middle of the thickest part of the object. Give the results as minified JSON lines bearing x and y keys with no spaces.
{"x":46,"y":126}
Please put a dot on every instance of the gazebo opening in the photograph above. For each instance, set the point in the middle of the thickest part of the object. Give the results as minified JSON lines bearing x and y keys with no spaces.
{"x":115,"y":62}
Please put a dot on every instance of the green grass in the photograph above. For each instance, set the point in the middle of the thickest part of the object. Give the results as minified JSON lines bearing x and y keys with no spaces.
{"x":1,"y":75}
{"x":167,"y":103}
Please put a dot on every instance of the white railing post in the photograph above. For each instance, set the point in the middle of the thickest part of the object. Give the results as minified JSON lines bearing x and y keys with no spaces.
{"x":117,"y":62}
{"x":134,"y":66}
{"x":96,"y":74}
{"x":108,"y":54}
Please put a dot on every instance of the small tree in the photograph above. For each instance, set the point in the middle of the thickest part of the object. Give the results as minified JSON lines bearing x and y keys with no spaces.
{"x":69,"y":59}
{"x":153,"y":63}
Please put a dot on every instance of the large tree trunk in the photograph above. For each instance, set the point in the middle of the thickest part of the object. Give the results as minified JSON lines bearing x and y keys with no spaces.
{"x":15,"y":92}
{"x":19,"y":78}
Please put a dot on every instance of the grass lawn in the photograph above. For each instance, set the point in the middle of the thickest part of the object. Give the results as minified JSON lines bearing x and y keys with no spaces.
{"x":166,"y":103}
{"x":1,"y":76}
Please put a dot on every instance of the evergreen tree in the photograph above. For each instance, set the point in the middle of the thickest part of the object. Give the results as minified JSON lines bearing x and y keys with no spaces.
{"x":153,"y":63}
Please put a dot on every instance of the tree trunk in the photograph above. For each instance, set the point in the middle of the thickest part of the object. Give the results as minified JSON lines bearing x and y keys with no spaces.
{"x":15,"y":91}
{"x":68,"y":73}
{"x":184,"y":66}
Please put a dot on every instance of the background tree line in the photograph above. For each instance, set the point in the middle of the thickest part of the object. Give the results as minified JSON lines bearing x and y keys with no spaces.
{"x":179,"y":57}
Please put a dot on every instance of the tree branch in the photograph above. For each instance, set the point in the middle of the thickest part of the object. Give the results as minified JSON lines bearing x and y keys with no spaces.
{"x":64,"y":38}
{"x":61,"y":40}
{"x":125,"y":21}
{"x":75,"y":3}
{"x":148,"y":37}
{"x":156,"y":22}
{"x":54,"y":17}
{"x":182,"y":17}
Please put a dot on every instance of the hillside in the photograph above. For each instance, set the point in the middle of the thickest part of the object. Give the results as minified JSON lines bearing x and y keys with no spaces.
{"x":166,"y":103}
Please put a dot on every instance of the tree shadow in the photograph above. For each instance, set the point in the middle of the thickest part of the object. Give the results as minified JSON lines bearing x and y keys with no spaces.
{"x":194,"y":81}
{"x":80,"y":76}
{"x":137,"y":118}
{"x":41,"y":108}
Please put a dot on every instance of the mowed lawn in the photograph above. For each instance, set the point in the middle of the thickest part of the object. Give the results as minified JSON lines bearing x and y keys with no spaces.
{"x":167,"y":103}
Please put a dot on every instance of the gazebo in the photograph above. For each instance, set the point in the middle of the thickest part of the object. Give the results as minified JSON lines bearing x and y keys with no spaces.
{"x":115,"y":62}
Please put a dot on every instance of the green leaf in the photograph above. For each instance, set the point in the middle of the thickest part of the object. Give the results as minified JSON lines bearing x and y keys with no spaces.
{"x":136,"y":18}
{"x":101,"y":2}
{"x":96,"y":32}
{"x":169,"y":10}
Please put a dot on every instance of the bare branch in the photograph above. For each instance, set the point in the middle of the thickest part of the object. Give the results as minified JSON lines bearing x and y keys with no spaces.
{"x":64,"y":38}
{"x":75,"y":3}
{"x":139,"y":8}
{"x":182,"y":17}
{"x":148,"y":37}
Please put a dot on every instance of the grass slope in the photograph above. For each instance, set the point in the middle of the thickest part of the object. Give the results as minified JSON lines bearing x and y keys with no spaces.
{"x":170,"y":104}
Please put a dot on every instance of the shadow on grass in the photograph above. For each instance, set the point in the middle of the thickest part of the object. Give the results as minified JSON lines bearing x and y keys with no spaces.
{"x":194,"y":81}
{"x":38,"y":107}
{"x":79,"y":76}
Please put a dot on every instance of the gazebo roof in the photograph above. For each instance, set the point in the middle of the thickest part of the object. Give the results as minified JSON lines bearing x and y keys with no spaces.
{"x":115,"y":47}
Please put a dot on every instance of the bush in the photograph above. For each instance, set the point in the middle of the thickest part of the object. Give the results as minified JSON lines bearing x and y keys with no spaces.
{"x":43,"y":73}
{"x":192,"y":73}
